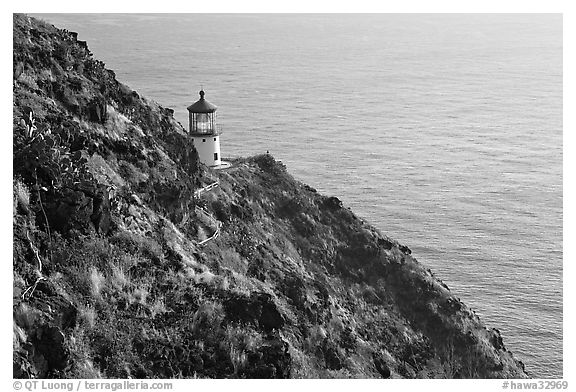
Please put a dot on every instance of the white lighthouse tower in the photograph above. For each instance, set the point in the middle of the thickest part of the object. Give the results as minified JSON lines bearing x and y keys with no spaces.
{"x":205,"y":135}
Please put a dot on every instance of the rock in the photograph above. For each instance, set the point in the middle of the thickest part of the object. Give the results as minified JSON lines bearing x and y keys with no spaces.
{"x":404,"y":249}
{"x":270,"y":317}
{"x":332,"y":357}
{"x":264,"y":372}
{"x":97,"y":111}
{"x":69,"y":316}
{"x":18,"y":69}
{"x":80,"y":210}
{"x":46,"y":287}
{"x":128,"y":96}
{"x":21,"y":367}
{"x":272,"y":360}
{"x":101,"y":217}
{"x":348,"y":339}
{"x":68,"y":98}
{"x":451,"y":304}
{"x":383,"y":242}
{"x":257,"y":269}
{"x":69,"y":209}
{"x":381,"y":366}
{"x":239,"y":211}
{"x":333,"y":203}
{"x":240,"y":309}
{"x":496,"y":340}
{"x":310,"y":189}
{"x":295,"y":289}
{"x":258,"y":309}
{"x":49,"y":343}
{"x":521,"y":364}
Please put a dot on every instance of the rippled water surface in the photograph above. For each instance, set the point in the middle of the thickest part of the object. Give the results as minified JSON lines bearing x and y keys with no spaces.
{"x":444,"y":131}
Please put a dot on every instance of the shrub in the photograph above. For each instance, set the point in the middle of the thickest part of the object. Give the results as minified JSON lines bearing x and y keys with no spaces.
{"x":267,"y":163}
{"x":221,"y":210}
{"x":152,"y":249}
{"x":58,"y":167}
{"x":208,"y":317}
{"x":135,"y":243}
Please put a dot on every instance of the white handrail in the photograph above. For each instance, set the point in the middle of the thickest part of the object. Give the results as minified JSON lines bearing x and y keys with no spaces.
{"x":207,"y":188}
{"x":212,"y":220}
{"x":206,"y":214}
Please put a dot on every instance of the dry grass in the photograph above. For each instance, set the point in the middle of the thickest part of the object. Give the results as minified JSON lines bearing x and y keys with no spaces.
{"x":208,"y":316}
{"x":96,"y":282}
{"x":139,"y":295}
{"x":238,"y":342}
{"x":315,"y":338}
{"x":87,"y":315}
{"x":47,"y":75}
{"x":136,"y":243}
{"x":238,"y":358}
{"x":304,"y":366}
{"x":18,"y":336}
{"x":233,"y":260}
{"x":83,"y":366}
{"x":28,"y":80}
{"x":242,"y":338}
{"x":158,"y":308}
{"x":26,"y":317}
{"x":21,"y":197}
{"x":205,"y":277}
{"x":118,"y":279}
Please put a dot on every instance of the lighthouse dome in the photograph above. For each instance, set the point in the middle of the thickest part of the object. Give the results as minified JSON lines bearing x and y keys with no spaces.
{"x":202,"y":105}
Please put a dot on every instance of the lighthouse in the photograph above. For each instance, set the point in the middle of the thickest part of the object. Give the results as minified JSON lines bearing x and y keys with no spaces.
{"x":205,"y":135}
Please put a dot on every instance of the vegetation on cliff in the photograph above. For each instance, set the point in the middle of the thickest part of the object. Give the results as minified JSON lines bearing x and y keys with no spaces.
{"x":110,"y":279}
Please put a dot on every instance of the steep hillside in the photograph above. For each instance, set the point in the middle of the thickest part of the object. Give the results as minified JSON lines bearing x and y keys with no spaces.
{"x":113,"y":276}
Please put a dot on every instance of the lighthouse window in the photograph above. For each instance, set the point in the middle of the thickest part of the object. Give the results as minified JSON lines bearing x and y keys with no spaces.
{"x":214,"y":139}
{"x":202,"y":122}
{"x":215,"y":156}
{"x":203,"y":140}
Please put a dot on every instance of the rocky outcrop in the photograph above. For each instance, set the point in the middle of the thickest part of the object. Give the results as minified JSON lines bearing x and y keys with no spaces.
{"x":96,"y":110}
{"x":50,"y":345}
{"x":258,"y":309}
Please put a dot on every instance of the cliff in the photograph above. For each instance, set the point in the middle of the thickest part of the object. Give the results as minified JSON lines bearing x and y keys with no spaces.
{"x":113,"y":278}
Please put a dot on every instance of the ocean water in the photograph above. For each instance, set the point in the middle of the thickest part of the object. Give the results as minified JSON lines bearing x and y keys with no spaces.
{"x":444,"y":131}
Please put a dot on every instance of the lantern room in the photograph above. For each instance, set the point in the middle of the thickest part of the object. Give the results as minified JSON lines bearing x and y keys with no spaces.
{"x":202,"y":116}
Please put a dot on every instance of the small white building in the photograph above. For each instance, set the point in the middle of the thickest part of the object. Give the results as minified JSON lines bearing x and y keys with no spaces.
{"x":205,"y":135}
